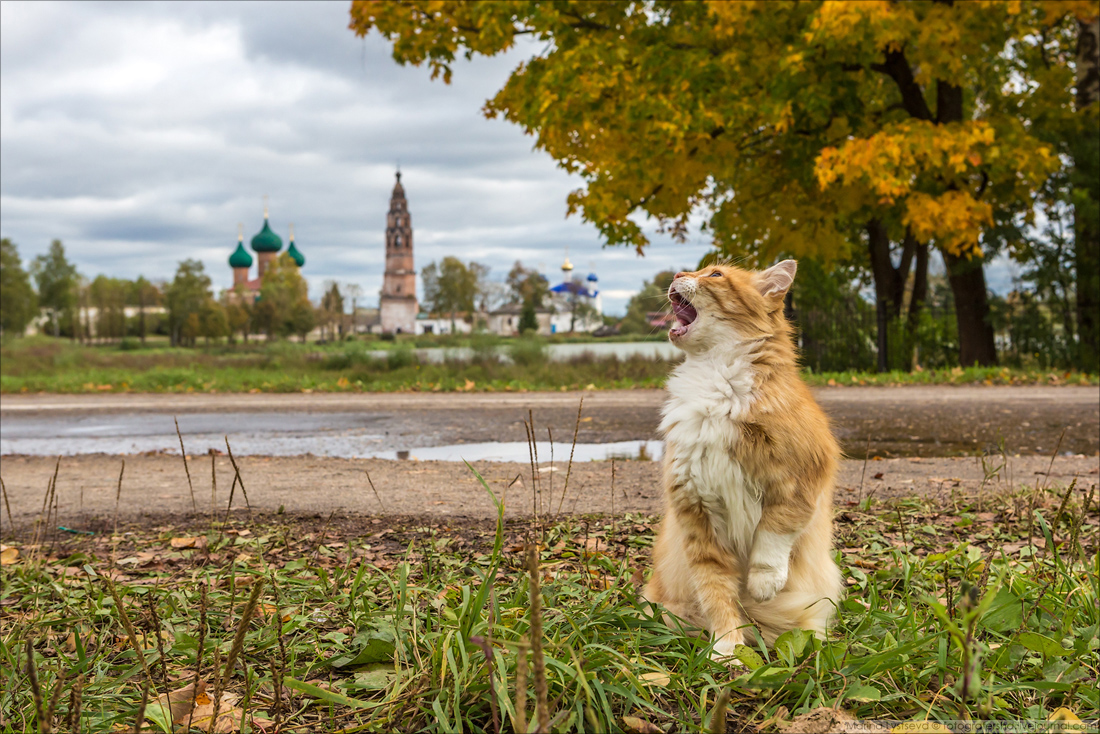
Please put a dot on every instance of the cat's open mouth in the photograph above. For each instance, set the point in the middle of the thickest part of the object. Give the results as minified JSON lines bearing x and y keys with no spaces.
{"x":685,"y":314}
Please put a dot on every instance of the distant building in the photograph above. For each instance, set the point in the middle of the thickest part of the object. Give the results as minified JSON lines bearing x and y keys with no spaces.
{"x":266,"y":244}
{"x":397,"y":301}
{"x":578,"y":305}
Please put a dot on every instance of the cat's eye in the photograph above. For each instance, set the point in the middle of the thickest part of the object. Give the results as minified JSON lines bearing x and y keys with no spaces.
{"x":715,"y":274}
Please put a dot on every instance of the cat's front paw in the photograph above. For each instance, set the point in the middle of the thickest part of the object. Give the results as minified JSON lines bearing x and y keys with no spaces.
{"x":766,"y":581}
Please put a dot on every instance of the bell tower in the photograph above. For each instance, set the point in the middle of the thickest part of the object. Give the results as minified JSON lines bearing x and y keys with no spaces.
{"x":397,"y":301}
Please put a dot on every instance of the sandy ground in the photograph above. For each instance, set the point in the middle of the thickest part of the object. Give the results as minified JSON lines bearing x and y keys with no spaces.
{"x":156,"y":486}
{"x":899,"y":421}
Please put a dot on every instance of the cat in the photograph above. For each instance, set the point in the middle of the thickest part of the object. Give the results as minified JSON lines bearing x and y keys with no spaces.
{"x":749,"y":467}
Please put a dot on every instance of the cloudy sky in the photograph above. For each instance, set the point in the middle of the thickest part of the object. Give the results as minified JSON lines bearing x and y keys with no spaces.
{"x":141,"y":134}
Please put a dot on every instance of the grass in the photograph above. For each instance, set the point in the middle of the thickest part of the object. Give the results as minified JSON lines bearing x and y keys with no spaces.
{"x":983,"y":610}
{"x":42,"y":364}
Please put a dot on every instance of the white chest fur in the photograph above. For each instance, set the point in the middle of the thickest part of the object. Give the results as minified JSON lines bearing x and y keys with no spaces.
{"x":709,"y":395}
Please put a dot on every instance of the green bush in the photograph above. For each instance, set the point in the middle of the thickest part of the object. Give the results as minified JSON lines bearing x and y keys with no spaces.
{"x":129,"y":344}
{"x":528,"y":351}
{"x":400,"y":357}
{"x":484,"y":347}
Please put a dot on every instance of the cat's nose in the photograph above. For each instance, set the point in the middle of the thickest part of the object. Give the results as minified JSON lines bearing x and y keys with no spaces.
{"x":679,"y":275}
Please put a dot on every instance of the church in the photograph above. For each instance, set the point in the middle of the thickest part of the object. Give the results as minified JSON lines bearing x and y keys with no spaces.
{"x":267,"y":245}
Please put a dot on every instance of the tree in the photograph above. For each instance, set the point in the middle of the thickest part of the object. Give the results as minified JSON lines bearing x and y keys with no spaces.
{"x":185,"y":298}
{"x":332,"y":309}
{"x":108,"y":296}
{"x":238,"y":312}
{"x":284,"y":299}
{"x":213,"y":321}
{"x":652,"y":297}
{"x":1085,"y":150}
{"x":354,"y":291}
{"x":143,"y":294}
{"x":452,"y":286}
{"x":56,"y":278}
{"x":18,"y":301}
{"x":792,"y":126}
{"x":527,"y":286}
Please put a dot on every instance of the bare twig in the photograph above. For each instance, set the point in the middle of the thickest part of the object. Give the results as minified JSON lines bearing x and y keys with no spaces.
{"x":573,"y":448}
{"x":183,"y":453}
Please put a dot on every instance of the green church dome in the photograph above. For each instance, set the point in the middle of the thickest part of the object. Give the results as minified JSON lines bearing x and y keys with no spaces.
{"x":266,"y":240}
{"x":298,"y":257}
{"x":240,"y":257}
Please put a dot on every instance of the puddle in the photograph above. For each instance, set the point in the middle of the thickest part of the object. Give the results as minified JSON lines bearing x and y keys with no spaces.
{"x":518,"y":451}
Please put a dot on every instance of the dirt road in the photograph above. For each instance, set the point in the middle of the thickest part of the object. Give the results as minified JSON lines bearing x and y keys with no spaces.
{"x":900,"y":421}
{"x":156,"y":486}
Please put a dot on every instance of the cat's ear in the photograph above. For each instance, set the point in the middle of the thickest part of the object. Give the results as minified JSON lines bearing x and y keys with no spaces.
{"x":776,"y":280}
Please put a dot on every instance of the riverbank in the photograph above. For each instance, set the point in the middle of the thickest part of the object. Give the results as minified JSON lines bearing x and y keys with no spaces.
{"x":57,"y":366}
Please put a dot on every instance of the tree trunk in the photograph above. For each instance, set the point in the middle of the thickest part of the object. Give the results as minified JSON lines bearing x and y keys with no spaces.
{"x":1086,"y":213}
{"x":967,"y":277}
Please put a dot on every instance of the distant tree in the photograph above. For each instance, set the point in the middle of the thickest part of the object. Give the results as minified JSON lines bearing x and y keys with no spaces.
{"x":18,"y":301}
{"x":108,"y":296}
{"x":143,"y":294}
{"x":301,"y":319}
{"x":284,"y":299}
{"x":185,"y":297}
{"x":652,"y":297}
{"x":527,"y":286}
{"x":213,"y":321}
{"x":528,"y":318}
{"x":452,"y":286}
{"x":354,"y":291}
{"x":331,"y":313}
{"x":238,"y":307}
{"x":56,"y":278}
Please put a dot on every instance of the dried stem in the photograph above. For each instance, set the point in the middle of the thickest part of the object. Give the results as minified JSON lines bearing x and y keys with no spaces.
{"x":118,"y":493}
{"x":542,"y":711}
{"x":242,"y":629}
{"x":128,"y":626}
{"x":140,"y":718}
{"x":213,"y":486}
{"x":152,"y":604}
{"x":521,"y":687}
{"x":183,"y":454}
{"x":573,"y":448}
{"x":238,"y":473}
{"x":199,"y":650}
{"x":36,"y":689}
{"x":718,"y":715}
{"x":376,"y":495}
{"x":7,"y":506}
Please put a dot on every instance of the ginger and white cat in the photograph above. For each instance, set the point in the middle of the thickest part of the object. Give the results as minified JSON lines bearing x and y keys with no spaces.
{"x":749,"y":466}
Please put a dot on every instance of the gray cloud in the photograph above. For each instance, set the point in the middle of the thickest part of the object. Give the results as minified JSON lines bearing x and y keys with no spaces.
{"x":140,"y":134}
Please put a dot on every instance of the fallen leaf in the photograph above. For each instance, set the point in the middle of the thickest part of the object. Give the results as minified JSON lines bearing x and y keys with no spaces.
{"x":641,"y":726}
{"x":655,"y":678}
{"x":187,"y":542}
{"x":8,"y":554}
{"x":878,"y":475}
